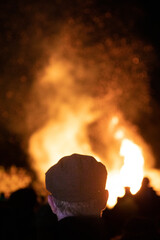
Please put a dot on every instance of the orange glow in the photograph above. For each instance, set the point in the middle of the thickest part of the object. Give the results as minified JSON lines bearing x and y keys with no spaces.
{"x":119,"y":134}
{"x":52,"y":142}
{"x":130,"y":174}
{"x":114,"y":121}
{"x":84,"y":98}
{"x":132,"y":171}
{"x":12,"y":180}
{"x":85,"y":93}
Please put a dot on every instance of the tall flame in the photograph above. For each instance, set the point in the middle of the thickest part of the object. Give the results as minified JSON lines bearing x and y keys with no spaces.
{"x":85,"y":102}
{"x":132,"y":171}
{"x":52,"y":142}
{"x":130,"y":174}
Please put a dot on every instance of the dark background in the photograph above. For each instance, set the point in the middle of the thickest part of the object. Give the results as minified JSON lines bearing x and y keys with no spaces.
{"x":23,"y":23}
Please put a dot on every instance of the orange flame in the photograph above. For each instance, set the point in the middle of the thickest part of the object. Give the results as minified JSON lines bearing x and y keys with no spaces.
{"x":130,"y":174}
{"x":132,"y":170}
{"x":52,"y":142}
{"x":13,"y":179}
{"x":80,"y":107}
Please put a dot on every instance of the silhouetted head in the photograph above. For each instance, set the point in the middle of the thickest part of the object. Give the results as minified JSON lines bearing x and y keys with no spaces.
{"x":25,"y":198}
{"x":78,"y":179}
{"x":145,"y":181}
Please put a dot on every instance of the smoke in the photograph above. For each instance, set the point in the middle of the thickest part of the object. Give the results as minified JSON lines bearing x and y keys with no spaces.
{"x":79,"y":67}
{"x":111,"y":72}
{"x":95,"y":41}
{"x":84,"y":84}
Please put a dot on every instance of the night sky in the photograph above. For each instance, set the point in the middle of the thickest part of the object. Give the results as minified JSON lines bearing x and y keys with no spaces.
{"x":27,"y":27}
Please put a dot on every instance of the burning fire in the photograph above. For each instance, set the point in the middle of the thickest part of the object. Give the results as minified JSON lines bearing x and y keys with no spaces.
{"x":13,"y":179}
{"x":117,"y":143}
{"x":52,"y":142}
{"x":130,"y":174}
{"x":79,"y":101}
{"x":133,"y":165}
{"x":84,"y":93}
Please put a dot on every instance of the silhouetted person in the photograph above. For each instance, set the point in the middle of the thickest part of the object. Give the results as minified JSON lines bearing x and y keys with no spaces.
{"x":46,"y":222}
{"x":127,"y":205}
{"x":125,"y":209}
{"x":4,"y":216}
{"x":147,"y":200}
{"x":77,"y":186}
{"x":21,"y":220}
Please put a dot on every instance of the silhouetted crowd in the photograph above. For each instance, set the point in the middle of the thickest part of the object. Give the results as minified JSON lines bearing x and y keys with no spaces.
{"x":134,"y":217}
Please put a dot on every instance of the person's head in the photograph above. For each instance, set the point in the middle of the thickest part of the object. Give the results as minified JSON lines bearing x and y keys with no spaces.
{"x":145,"y":182}
{"x":77,"y":186}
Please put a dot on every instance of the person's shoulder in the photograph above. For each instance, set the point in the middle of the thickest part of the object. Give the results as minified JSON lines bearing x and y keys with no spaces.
{"x":82,"y":227}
